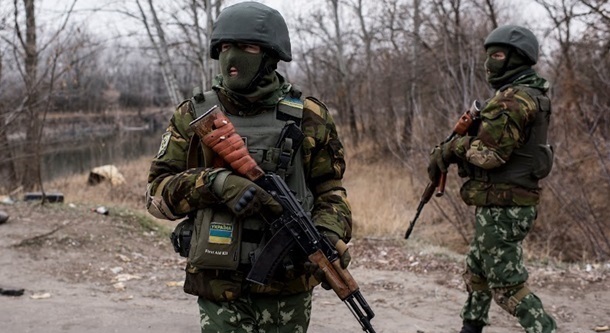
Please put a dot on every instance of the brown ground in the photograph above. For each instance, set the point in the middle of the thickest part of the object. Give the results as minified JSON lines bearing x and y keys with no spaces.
{"x":86,"y":272}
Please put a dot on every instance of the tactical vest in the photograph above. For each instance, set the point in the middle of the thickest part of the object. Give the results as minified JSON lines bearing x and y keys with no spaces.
{"x":531,"y":162}
{"x":219,"y":240}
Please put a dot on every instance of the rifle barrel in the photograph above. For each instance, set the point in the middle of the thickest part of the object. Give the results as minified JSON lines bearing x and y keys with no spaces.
{"x":428,"y":192}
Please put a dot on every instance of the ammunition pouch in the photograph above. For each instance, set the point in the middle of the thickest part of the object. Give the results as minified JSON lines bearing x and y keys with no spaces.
{"x":181,"y":237}
{"x":543,"y":161}
{"x":213,"y":285}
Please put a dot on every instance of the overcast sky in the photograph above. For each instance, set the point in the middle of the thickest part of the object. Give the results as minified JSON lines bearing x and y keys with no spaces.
{"x":105,"y":23}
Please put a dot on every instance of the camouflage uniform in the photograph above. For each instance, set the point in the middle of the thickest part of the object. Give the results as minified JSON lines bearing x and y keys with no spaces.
{"x":227,"y":302}
{"x":505,"y":198}
{"x":505,"y":212}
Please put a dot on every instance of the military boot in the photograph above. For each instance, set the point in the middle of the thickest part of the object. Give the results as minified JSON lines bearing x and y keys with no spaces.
{"x":471,"y":328}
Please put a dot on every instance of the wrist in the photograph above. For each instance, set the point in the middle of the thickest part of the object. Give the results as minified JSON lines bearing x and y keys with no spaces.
{"x":215,"y":181}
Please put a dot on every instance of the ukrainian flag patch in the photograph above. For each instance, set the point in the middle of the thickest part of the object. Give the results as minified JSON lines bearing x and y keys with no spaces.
{"x":292,"y":102}
{"x":220,"y":233}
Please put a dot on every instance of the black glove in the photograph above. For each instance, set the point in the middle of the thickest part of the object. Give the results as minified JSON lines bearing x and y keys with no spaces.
{"x":344,"y":258}
{"x":245,"y":198}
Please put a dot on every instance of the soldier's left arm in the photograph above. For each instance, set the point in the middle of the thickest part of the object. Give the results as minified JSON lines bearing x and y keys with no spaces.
{"x":503,"y":128}
{"x":174,"y":190}
{"x":324,"y":163}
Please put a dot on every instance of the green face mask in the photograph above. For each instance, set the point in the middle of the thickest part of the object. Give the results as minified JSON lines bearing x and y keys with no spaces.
{"x":246,"y":64}
{"x":501,"y":72}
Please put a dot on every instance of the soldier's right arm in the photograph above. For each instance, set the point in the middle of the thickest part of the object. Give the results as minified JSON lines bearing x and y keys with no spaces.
{"x":173,"y":190}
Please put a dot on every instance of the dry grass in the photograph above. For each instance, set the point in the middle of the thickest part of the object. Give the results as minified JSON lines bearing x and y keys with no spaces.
{"x":381,"y":198}
{"x":381,"y":195}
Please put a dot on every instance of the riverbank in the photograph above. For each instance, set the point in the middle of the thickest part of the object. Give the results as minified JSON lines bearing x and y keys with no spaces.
{"x":70,"y":126}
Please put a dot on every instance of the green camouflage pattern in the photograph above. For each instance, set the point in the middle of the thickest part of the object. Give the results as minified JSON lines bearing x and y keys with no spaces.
{"x":324,"y":164}
{"x":184,"y":190}
{"x":504,"y":121}
{"x":257,"y":313}
{"x":496,"y":257}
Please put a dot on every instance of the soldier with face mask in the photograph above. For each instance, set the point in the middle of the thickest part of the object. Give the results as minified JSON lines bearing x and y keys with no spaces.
{"x":504,"y":159}
{"x":227,"y":215}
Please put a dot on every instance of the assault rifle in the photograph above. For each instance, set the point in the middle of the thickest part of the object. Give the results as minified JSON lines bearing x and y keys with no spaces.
{"x":294,"y":229}
{"x":461,"y":128}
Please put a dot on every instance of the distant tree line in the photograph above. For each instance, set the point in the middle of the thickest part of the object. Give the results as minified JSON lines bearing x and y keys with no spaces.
{"x":396,"y":73}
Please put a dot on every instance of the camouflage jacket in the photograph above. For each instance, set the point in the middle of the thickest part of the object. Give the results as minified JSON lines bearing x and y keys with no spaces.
{"x":505,"y":120}
{"x":173,"y":190}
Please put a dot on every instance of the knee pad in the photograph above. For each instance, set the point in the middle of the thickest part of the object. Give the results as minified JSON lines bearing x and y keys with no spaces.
{"x":474,"y":282}
{"x":510,"y":297}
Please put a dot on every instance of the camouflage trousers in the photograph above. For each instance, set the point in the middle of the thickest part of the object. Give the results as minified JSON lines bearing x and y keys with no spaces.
{"x":495,"y":269}
{"x":257,"y":313}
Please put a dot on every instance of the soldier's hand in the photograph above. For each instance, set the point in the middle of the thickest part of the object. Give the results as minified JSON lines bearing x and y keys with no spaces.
{"x":436,"y":165}
{"x":245,"y":198}
{"x":344,"y":258}
{"x":440,"y":158}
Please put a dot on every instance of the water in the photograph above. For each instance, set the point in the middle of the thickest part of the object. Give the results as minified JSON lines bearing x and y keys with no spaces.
{"x":72,"y":158}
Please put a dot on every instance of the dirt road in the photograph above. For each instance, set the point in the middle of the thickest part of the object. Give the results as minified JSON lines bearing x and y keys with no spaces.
{"x":85,"y":272}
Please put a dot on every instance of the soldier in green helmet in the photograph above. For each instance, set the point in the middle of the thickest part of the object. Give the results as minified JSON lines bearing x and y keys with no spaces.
{"x":221,"y":211}
{"x":504,"y":159}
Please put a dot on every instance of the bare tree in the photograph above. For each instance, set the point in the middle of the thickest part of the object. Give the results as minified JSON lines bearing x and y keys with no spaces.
{"x":196,"y":36}
{"x":38,"y":83}
{"x":365,"y":79}
{"x":8,"y":176}
{"x":161,"y":48}
{"x":331,"y":55}
{"x":581,"y":179}
{"x":31,"y":174}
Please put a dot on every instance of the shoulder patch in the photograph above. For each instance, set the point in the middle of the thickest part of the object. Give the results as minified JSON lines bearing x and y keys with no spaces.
{"x":164,"y":143}
{"x":290,"y":108}
{"x":292,"y":102}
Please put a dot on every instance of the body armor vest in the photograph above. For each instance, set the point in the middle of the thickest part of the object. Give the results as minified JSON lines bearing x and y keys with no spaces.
{"x":531,"y":162}
{"x":273,"y":140}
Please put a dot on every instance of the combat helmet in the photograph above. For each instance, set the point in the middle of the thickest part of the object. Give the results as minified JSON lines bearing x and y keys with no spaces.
{"x":252,"y":22}
{"x":516,"y":36}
